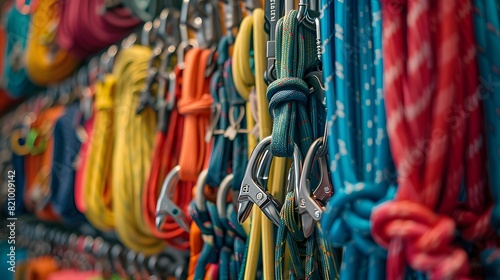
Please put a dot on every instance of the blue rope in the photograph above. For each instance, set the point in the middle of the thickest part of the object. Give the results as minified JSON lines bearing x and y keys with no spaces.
{"x":17,"y":81}
{"x":358,"y":145}
{"x":66,"y":148}
{"x":487,"y":28}
{"x":221,"y":151}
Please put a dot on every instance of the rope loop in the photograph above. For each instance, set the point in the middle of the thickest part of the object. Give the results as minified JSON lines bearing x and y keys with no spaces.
{"x":412,"y":230}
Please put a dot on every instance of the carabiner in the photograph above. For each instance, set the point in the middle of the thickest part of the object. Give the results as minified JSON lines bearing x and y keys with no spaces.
{"x":310,"y":209}
{"x":165,"y":205}
{"x":254,"y":185}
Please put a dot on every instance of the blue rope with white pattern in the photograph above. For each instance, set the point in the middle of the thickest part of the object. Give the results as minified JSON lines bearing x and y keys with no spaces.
{"x":359,"y":152}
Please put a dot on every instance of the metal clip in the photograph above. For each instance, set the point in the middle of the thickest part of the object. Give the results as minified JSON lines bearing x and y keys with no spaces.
{"x":166,"y":206}
{"x":309,"y":208}
{"x":254,"y":185}
{"x":224,"y":188}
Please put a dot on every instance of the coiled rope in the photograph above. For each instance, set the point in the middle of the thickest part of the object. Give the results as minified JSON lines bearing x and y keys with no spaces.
{"x":45,"y":62}
{"x":133,"y":143}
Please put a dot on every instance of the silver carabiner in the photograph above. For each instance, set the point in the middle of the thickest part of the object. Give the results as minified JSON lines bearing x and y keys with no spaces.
{"x":165,"y":205}
{"x":310,"y":209}
{"x":254,"y":185}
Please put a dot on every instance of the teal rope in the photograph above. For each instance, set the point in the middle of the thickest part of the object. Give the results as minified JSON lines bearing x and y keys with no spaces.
{"x":17,"y":81}
{"x":289,"y":95}
{"x":487,"y":26}
{"x":358,"y":143}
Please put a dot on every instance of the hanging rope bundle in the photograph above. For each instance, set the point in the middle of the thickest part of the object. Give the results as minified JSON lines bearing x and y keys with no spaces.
{"x":85,"y":27}
{"x":14,"y":75}
{"x":487,"y":24}
{"x":422,"y":125}
{"x":358,"y":142}
{"x":168,"y":144}
{"x":46,"y":62}
{"x":96,"y":189}
{"x":133,"y":143}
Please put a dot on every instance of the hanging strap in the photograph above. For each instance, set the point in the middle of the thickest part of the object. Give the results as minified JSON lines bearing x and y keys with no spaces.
{"x":45,"y":62}
{"x":66,"y":147}
{"x":97,"y":178}
{"x":15,"y":77}
{"x":133,"y":143}
{"x":166,"y":154}
{"x":357,"y":133}
{"x":85,"y":27}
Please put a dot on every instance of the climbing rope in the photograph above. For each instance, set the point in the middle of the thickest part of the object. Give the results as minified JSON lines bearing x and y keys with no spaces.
{"x":45,"y":62}
{"x":358,"y":142}
{"x":133,"y":142}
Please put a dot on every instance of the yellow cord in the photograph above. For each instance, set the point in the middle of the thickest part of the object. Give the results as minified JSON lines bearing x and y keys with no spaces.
{"x":45,"y":62}
{"x":97,"y":178}
{"x":244,"y":80}
{"x":133,"y":142}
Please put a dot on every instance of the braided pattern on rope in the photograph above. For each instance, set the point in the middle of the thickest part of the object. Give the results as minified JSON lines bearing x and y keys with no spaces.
{"x":416,"y":227}
{"x":487,"y":26}
{"x":358,"y":143}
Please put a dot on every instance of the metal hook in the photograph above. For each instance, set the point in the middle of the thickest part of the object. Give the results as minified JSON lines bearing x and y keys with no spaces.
{"x":166,"y":206}
{"x":254,"y":188}
{"x":309,"y":208}
{"x":224,"y":188}
{"x":199,"y":195}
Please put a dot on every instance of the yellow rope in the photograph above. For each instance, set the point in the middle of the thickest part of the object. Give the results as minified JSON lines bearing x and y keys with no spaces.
{"x":45,"y":62}
{"x":97,"y":178}
{"x":133,"y":142}
{"x":244,"y":80}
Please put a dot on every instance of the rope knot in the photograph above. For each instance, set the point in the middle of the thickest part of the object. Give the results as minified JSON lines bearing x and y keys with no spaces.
{"x":288,"y":98}
{"x":347,"y":216}
{"x":283,"y":91}
{"x":414,"y":232}
{"x":472,"y":225}
{"x":195,"y":107}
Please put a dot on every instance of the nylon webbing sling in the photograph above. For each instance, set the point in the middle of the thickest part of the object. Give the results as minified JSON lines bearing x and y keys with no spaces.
{"x":357,"y":133}
{"x":85,"y":27}
{"x":66,"y":146}
{"x":97,"y":174}
{"x":45,"y":61}
{"x":486,"y":26}
{"x":133,"y":143}
{"x":14,"y":74}
{"x":416,"y":227}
